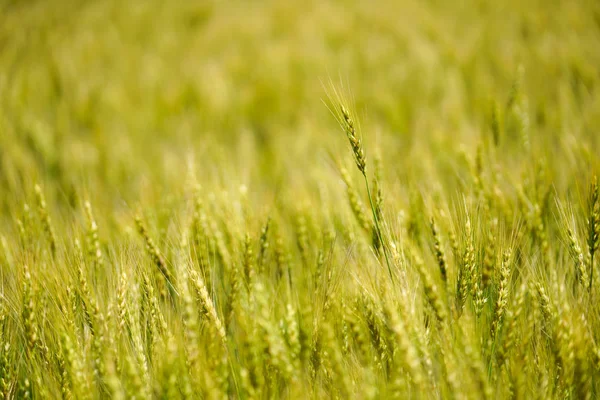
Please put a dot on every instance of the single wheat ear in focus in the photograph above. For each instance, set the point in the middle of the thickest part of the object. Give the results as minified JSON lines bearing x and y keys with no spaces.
{"x":357,"y":149}
{"x":349,"y":126}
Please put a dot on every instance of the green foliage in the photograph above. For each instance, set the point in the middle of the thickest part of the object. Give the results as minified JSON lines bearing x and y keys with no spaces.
{"x":182,"y":217}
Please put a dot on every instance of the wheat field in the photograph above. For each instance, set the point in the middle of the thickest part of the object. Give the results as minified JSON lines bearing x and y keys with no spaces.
{"x":299,"y":200}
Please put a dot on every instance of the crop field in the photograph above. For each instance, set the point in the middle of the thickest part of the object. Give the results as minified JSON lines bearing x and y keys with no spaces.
{"x":299,"y":199}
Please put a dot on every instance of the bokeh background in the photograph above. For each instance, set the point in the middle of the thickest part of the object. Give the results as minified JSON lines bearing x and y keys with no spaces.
{"x":125,"y":98}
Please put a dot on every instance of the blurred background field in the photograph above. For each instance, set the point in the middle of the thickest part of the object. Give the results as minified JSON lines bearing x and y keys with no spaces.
{"x":113,"y":95}
{"x":187,"y":125}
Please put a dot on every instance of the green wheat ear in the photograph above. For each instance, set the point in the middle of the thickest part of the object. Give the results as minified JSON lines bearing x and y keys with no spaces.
{"x":355,"y":142}
{"x":45,"y":218}
{"x":349,"y":126}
